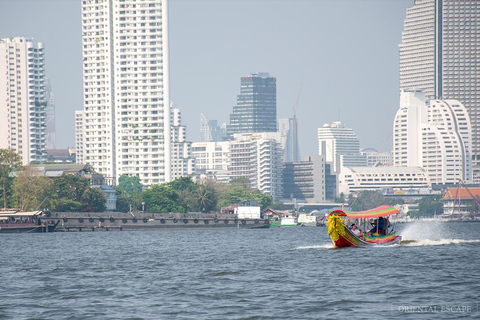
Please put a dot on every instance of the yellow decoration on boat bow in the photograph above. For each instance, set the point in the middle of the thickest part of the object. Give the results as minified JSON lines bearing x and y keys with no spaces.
{"x":335,"y":227}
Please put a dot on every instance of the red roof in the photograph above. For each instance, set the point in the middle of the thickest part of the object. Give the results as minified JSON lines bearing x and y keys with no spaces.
{"x":462,"y":193}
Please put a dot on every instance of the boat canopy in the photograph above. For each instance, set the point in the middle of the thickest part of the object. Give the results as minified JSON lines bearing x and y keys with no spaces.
{"x":381,"y":211}
{"x":19,"y":213}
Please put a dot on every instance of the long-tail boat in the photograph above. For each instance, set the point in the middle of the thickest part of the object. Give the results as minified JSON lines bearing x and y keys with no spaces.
{"x":382,"y":232}
{"x":16,"y":221}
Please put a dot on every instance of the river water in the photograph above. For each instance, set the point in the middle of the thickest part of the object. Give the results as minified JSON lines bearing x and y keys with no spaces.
{"x":276,"y":273}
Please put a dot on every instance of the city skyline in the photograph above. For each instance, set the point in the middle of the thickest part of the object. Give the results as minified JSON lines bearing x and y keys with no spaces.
{"x":343,"y":60}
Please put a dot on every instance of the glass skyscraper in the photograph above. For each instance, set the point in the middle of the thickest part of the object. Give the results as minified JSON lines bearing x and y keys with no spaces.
{"x":440,"y":54}
{"x":256,"y":109}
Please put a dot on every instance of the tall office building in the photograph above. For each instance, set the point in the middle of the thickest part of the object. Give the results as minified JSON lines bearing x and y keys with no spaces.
{"x":126,"y":89}
{"x":23,"y":98}
{"x":256,"y":109}
{"x":289,"y":139}
{"x":440,"y":54}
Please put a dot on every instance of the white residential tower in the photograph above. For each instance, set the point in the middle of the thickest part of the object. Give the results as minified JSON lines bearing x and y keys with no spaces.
{"x":23,"y":117}
{"x":126,"y":89}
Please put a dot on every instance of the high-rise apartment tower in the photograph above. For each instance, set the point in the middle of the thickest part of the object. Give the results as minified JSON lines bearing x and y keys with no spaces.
{"x":126,"y":89}
{"x":23,"y":117}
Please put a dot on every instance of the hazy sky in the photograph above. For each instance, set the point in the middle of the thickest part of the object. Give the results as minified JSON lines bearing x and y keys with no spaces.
{"x":343,"y":53}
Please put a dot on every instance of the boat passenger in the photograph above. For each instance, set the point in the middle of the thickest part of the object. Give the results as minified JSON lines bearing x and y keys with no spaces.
{"x":357,"y":231}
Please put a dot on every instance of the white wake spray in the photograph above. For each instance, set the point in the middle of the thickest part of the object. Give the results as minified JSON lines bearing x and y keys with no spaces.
{"x":432,"y":233}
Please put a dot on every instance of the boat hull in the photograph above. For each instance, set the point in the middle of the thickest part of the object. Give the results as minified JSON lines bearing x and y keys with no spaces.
{"x":27,"y":229}
{"x":350,"y":240}
{"x":343,"y":237}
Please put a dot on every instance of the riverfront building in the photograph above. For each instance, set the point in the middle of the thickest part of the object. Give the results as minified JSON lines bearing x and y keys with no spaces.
{"x":434,"y":135}
{"x":256,"y":109}
{"x":461,"y":201}
{"x":356,"y":179}
{"x":126,"y":89}
{"x":440,"y":54}
{"x":23,"y":99}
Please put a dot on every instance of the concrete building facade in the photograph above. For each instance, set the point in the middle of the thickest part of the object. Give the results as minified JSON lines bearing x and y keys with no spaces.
{"x":23,"y":99}
{"x":305,"y":180}
{"x":211,"y":159}
{"x":126,"y":89}
{"x":339,"y":144}
{"x":183,"y":164}
{"x":434,"y":135}
{"x":79,"y":136}
{"x":257,"y":156}
{"x":356,"y":179}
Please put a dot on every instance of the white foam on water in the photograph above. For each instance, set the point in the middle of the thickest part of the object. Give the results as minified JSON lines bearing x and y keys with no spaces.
{"x":435,"y":230}
{"x":438,"y":242}
{"x":432,"y":233}
{"x":321,"y":246}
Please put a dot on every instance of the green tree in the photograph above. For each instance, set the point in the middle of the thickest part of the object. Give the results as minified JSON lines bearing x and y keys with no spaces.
{"x":241,"y":182}
{"x":162,"y":198}
{"x":129,"y":193}
{"x":237,"y":194}
{"x":207,"y":198}
{"x":429,"y":206}
{"x":93,"y":200}
{"x":278,"y":206}
{"x":130,"y":185}
{"x":32,"y":190}
{"x":76,"y":194}
{"x":70,"y":186}
{"x":123,"y":201}
{"x":183,"y":183}
{"x":187,"y":192}
{"x":341,"y":198}
{"x":67,"y":205}
{"x":9,"y":162}
{"x":264,"y":200}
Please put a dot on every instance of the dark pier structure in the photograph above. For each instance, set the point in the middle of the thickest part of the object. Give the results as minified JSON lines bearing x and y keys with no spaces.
{"x":117,"y":221}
